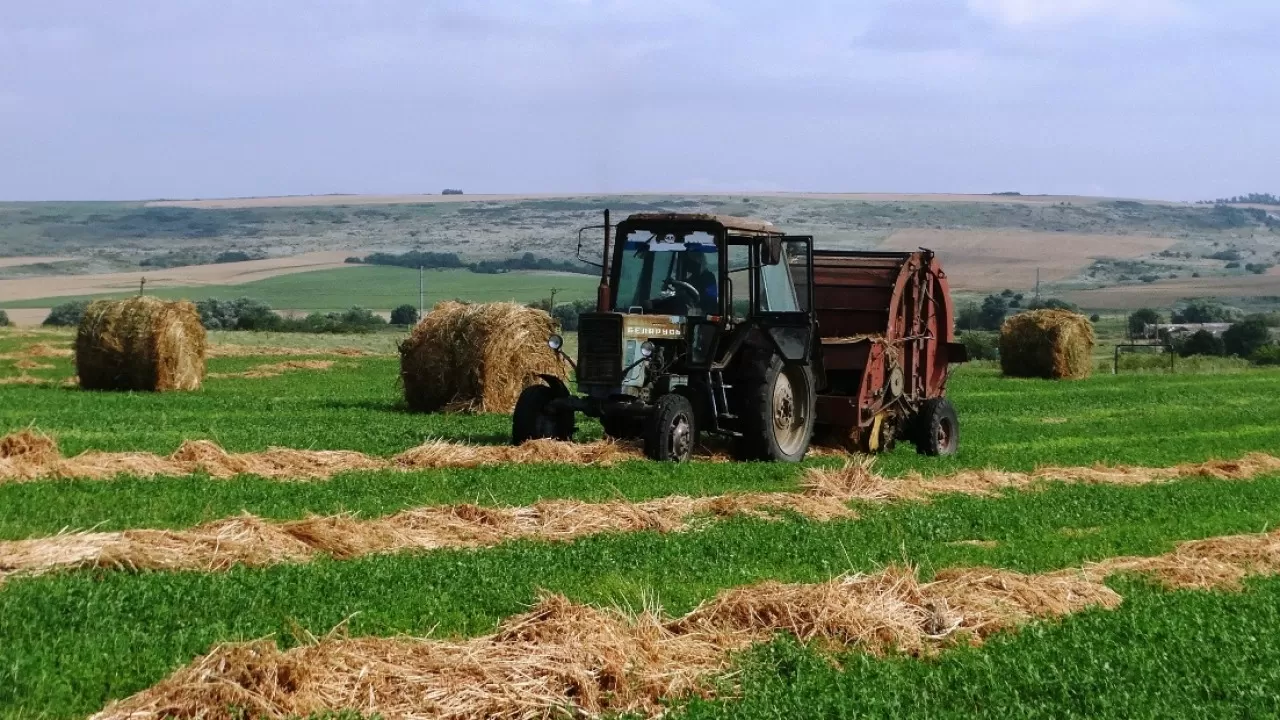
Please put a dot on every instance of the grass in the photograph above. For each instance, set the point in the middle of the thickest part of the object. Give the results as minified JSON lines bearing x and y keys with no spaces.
{"x":73,"y":640}
{"x":1147,"y":659}
{"x":376,"y":287}
{"x":1153,"y":420}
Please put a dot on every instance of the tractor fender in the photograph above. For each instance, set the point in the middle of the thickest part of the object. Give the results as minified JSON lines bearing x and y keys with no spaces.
{"x":556,"y":384}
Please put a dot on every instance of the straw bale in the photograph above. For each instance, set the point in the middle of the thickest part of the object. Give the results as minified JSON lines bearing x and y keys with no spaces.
{"x":477,"y":358}
{"x":140,"y":344}
{"x":1053,"y":344}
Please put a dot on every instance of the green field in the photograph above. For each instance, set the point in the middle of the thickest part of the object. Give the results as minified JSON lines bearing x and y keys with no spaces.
{"x":70,"y":641}
{"x":376,"y":287}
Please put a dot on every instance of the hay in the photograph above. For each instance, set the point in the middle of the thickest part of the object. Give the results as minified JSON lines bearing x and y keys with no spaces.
{"x":571,"y":659}
{"x":23,"y":379}
{"x":140,"y":344}
{"x":575,"y":660}
{"x":29,"y":364}
{"x":476,"y":358}
{"x":1053,"y":344}
{"x":276,"y":369}
{"x":232,"y":350}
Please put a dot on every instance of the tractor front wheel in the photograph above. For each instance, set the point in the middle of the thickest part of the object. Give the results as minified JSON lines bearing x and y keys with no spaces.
{"x":672,"y":430}
{"x":535,"y":419}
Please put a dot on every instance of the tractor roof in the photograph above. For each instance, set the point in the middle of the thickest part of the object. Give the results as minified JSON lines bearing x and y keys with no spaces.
{"x":729,"y":222}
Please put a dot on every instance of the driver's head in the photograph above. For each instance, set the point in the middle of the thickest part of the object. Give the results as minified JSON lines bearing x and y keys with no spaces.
{"x":694,"y":264}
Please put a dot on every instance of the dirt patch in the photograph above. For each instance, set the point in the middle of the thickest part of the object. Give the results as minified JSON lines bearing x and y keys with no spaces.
{"x":990,"y":260}
{"x":565,"y":657}
{"x":215,"y":274}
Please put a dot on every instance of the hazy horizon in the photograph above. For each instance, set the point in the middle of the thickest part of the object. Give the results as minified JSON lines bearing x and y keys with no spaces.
{"x":143,"y":99}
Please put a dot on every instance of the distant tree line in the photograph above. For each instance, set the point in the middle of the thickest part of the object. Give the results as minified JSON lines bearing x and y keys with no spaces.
{"x":991,"y":313}
{"x":435,"y":260}
{"x":1251,"y":198}
{"x":250,"y":314}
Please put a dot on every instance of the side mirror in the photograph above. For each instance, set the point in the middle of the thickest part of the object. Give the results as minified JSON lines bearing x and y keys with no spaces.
{"x":771,"y":251}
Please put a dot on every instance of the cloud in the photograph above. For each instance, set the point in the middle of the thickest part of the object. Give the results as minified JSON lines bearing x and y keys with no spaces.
{"x":1042,"y":13}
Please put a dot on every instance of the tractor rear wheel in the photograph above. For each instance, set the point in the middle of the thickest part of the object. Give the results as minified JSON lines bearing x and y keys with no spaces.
{"x":672,"y":430}
{"x":777,"y":411}
{"x":937,"y":430}
{"x":534,"y":419}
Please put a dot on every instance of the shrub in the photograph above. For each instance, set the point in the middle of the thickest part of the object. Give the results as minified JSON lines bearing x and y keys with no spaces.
{"x":1095,"y":318}
{"x":1231,"y":265}
{"x":1148,"y":278}
{"x":1205,"y":311}
{"x":231,"y":256}
{"x":1266,"y":355}
{"x":67,"y":314}
{"x":404,"y":315}
{"x":1139,"y":319}
{"x":981,"y":345}
{"x":1052,"y":304}
{"x":4,"y":319}
{"x":567,"y":313}
{"x":239,"y":314}
{"x":1246,"y":337}
{"x":1258,"y":268}
{"x":1202,"y":342}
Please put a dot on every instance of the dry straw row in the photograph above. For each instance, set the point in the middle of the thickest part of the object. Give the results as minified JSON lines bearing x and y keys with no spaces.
{"x":276,"y":369}
{"x":571,"y":659}
{"x":826,"y":494}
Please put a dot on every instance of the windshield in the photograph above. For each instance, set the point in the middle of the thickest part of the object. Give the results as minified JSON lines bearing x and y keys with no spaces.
{"x":668,"y":274}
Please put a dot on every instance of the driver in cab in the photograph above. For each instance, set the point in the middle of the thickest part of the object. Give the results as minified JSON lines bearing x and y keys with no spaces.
{"x":694,"y":287}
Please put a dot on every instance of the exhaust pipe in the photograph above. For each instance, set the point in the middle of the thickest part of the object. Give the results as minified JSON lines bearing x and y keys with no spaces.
{"x":602,"y":292}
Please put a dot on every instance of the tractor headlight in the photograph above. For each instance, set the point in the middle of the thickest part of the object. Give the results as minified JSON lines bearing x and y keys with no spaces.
{"x":646,"y":350}
{"x":555,"y":342}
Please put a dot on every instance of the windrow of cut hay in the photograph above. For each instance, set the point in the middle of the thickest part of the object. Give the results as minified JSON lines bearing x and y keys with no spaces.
{"x":826,"y":495}
{"x":142,"y":343}
{"x":476,"y":357}
{"x":562,"y":657}
{"x":275,"y":369}
{"x":1053,"y":344}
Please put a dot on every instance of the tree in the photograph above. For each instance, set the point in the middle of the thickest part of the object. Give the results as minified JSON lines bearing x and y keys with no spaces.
{"x":4,"y":319}
{"x":1205,"y":311}
{"x":404,"y":315}
{"x":1246,"y":337}
{"x":1202,"y":342}
{"x":1052,"y":304}
{"x":969,"y":317}
{"x":1140,"y":319}
{"x":66,"y":314}
{"x":994,"y":309}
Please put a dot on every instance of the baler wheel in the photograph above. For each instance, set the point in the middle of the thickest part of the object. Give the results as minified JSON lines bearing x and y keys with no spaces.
{"x":937,"y":430}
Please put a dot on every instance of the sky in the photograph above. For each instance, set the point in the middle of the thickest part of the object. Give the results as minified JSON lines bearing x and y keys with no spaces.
{"x":143,"y":99}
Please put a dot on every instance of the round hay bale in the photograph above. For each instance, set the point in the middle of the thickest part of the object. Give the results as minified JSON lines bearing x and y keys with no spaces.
{"x":476,"y":358}
{"x":142,"y":343}
{"x":1053,"y":344}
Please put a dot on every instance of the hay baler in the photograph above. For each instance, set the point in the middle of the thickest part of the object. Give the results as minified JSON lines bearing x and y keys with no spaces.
{"x":727,"y":326}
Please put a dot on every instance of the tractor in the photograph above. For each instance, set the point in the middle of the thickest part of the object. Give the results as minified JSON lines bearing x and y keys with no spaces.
{"x":710,"y":325}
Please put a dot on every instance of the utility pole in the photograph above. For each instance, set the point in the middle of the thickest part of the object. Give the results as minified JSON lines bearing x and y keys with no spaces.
{"x":422,"y":296}
{"x":1037,"y":286}
{"x":142,"y":286}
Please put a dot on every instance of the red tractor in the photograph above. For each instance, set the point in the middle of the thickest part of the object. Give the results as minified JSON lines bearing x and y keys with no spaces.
{"x":727,"y":326}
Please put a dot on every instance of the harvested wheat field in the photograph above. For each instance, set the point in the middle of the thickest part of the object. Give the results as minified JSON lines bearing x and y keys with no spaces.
{"x":564,"y":655}
{"x":292,"y":540}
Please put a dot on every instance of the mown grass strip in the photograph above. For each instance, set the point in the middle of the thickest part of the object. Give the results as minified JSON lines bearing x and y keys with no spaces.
{"x":74,"y":641}
{"x":250,"y":540}
{"x":561,"y":655}
{"x":1161,"y":654}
